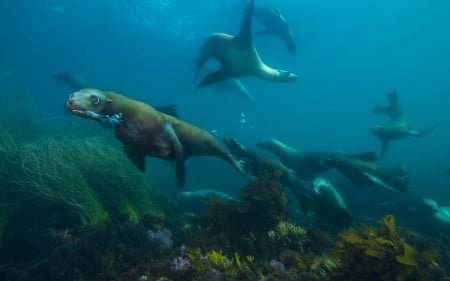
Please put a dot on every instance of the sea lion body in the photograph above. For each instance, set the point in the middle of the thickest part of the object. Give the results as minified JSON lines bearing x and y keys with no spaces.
{"x":329,"y":204}
{"x":144,"y":131}
{"x":366,"y":173}
{"x":306,"y":165}
{"x":275,"y":25}
{"x":399,"y":127}
{"x":433,"y":219}
{"x":237,"y":55}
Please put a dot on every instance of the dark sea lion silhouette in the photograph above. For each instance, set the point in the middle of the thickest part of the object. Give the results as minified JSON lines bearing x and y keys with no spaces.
{"x":432,"y":218}
{"x":364,"y":173}
{"x":258,"y":164}
{"x":238,"y":56}
{"x":77,"y":82}
{"x":306,"y":165}
{"x":399,"y":127}
{"x":145,"y":131}
{"x":329,"y":204}
{"x":276,"y":25}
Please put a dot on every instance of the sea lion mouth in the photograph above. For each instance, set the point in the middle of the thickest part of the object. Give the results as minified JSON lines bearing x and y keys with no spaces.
{"x":74,"y":109}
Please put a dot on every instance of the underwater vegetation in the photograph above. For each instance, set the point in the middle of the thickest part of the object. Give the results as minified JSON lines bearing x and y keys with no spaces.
{"x":377,"y":254}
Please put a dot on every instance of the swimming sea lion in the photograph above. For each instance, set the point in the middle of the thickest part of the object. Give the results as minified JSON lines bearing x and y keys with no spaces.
{"x":329,"y":205}
{"x":77,"y":82}
{"x":238,"y":56}
{"x":258,"y":164}
{"x":306,"y":165}
{"x":399,"y":127}
{"x":144,"y":131}
{"x":201,"y":196}
{"x":364,"y":173}
{"x":433,"y":219}
{"x":276,"y":25}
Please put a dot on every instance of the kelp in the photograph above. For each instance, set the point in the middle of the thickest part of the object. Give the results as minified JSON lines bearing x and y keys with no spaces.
{"x":374,"y":254}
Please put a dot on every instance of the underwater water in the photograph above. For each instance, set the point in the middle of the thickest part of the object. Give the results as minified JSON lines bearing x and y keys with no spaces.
{"x":350,"y":55}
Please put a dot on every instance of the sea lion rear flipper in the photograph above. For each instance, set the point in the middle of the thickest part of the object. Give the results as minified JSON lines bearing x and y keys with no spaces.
{"x":214,"y":77}
{"x":244,"y":39}
{"x":136,"y":157}
{"x":169,"y":132}
{"x":72,"y":80}
{"x":366,"y":156}
{"x":169,"y":110}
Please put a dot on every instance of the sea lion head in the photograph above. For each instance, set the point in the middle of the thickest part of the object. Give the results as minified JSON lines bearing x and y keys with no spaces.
{"x":380,"y":131}
{"x":87,"y":103}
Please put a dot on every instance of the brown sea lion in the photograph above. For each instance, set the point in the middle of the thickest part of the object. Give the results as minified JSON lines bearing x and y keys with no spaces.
{"x":144,"y":131}
{"x":399,"y":127}
{"x":276,"y":25}
{"x":238,"y":56}
{"x":306,"y":165}
{"x":364,"y":173}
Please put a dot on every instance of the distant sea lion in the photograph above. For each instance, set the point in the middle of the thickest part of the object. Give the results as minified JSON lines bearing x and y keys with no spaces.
{"x":433,"y":219}
{"x":329,"y":204}
{"x":364,"y":173}
{"x":144,"y":131}
{"x":238,"y":56}
{"x":197,"y":201}
{"x":276,"y":25}
{"x":306,"y":165}
{"x":258,"y":164}
{"x":399,"y":127}
{"x":77,"y":82}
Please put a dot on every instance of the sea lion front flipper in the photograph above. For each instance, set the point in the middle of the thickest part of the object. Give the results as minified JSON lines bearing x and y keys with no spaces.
{"x":244,"y":39}
{"x":214,"y":77}
{"x":171,"y":135}
{"x":138,"y":158}
{"x":72,"y":80}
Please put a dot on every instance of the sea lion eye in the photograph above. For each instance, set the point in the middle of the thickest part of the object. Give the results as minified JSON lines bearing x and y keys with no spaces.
{"x":95,"y":100}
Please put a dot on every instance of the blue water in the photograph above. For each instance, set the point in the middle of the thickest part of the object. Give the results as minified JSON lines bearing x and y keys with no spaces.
{"x":350,"y":54}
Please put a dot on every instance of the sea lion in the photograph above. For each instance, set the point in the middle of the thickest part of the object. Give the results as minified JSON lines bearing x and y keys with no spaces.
{"x":329,"y":205}
{"x":276,"y":25}
{"x":306,"y":165}
{"x":197,"y":201}
{"x":145,"y":131}
{"x":433,"y":219}
{"x":77,"y":82}
{"x":364,"y":173}
{"x":238,"y":56}
{"x":399,"y":127}
{"x":258,"y":164}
